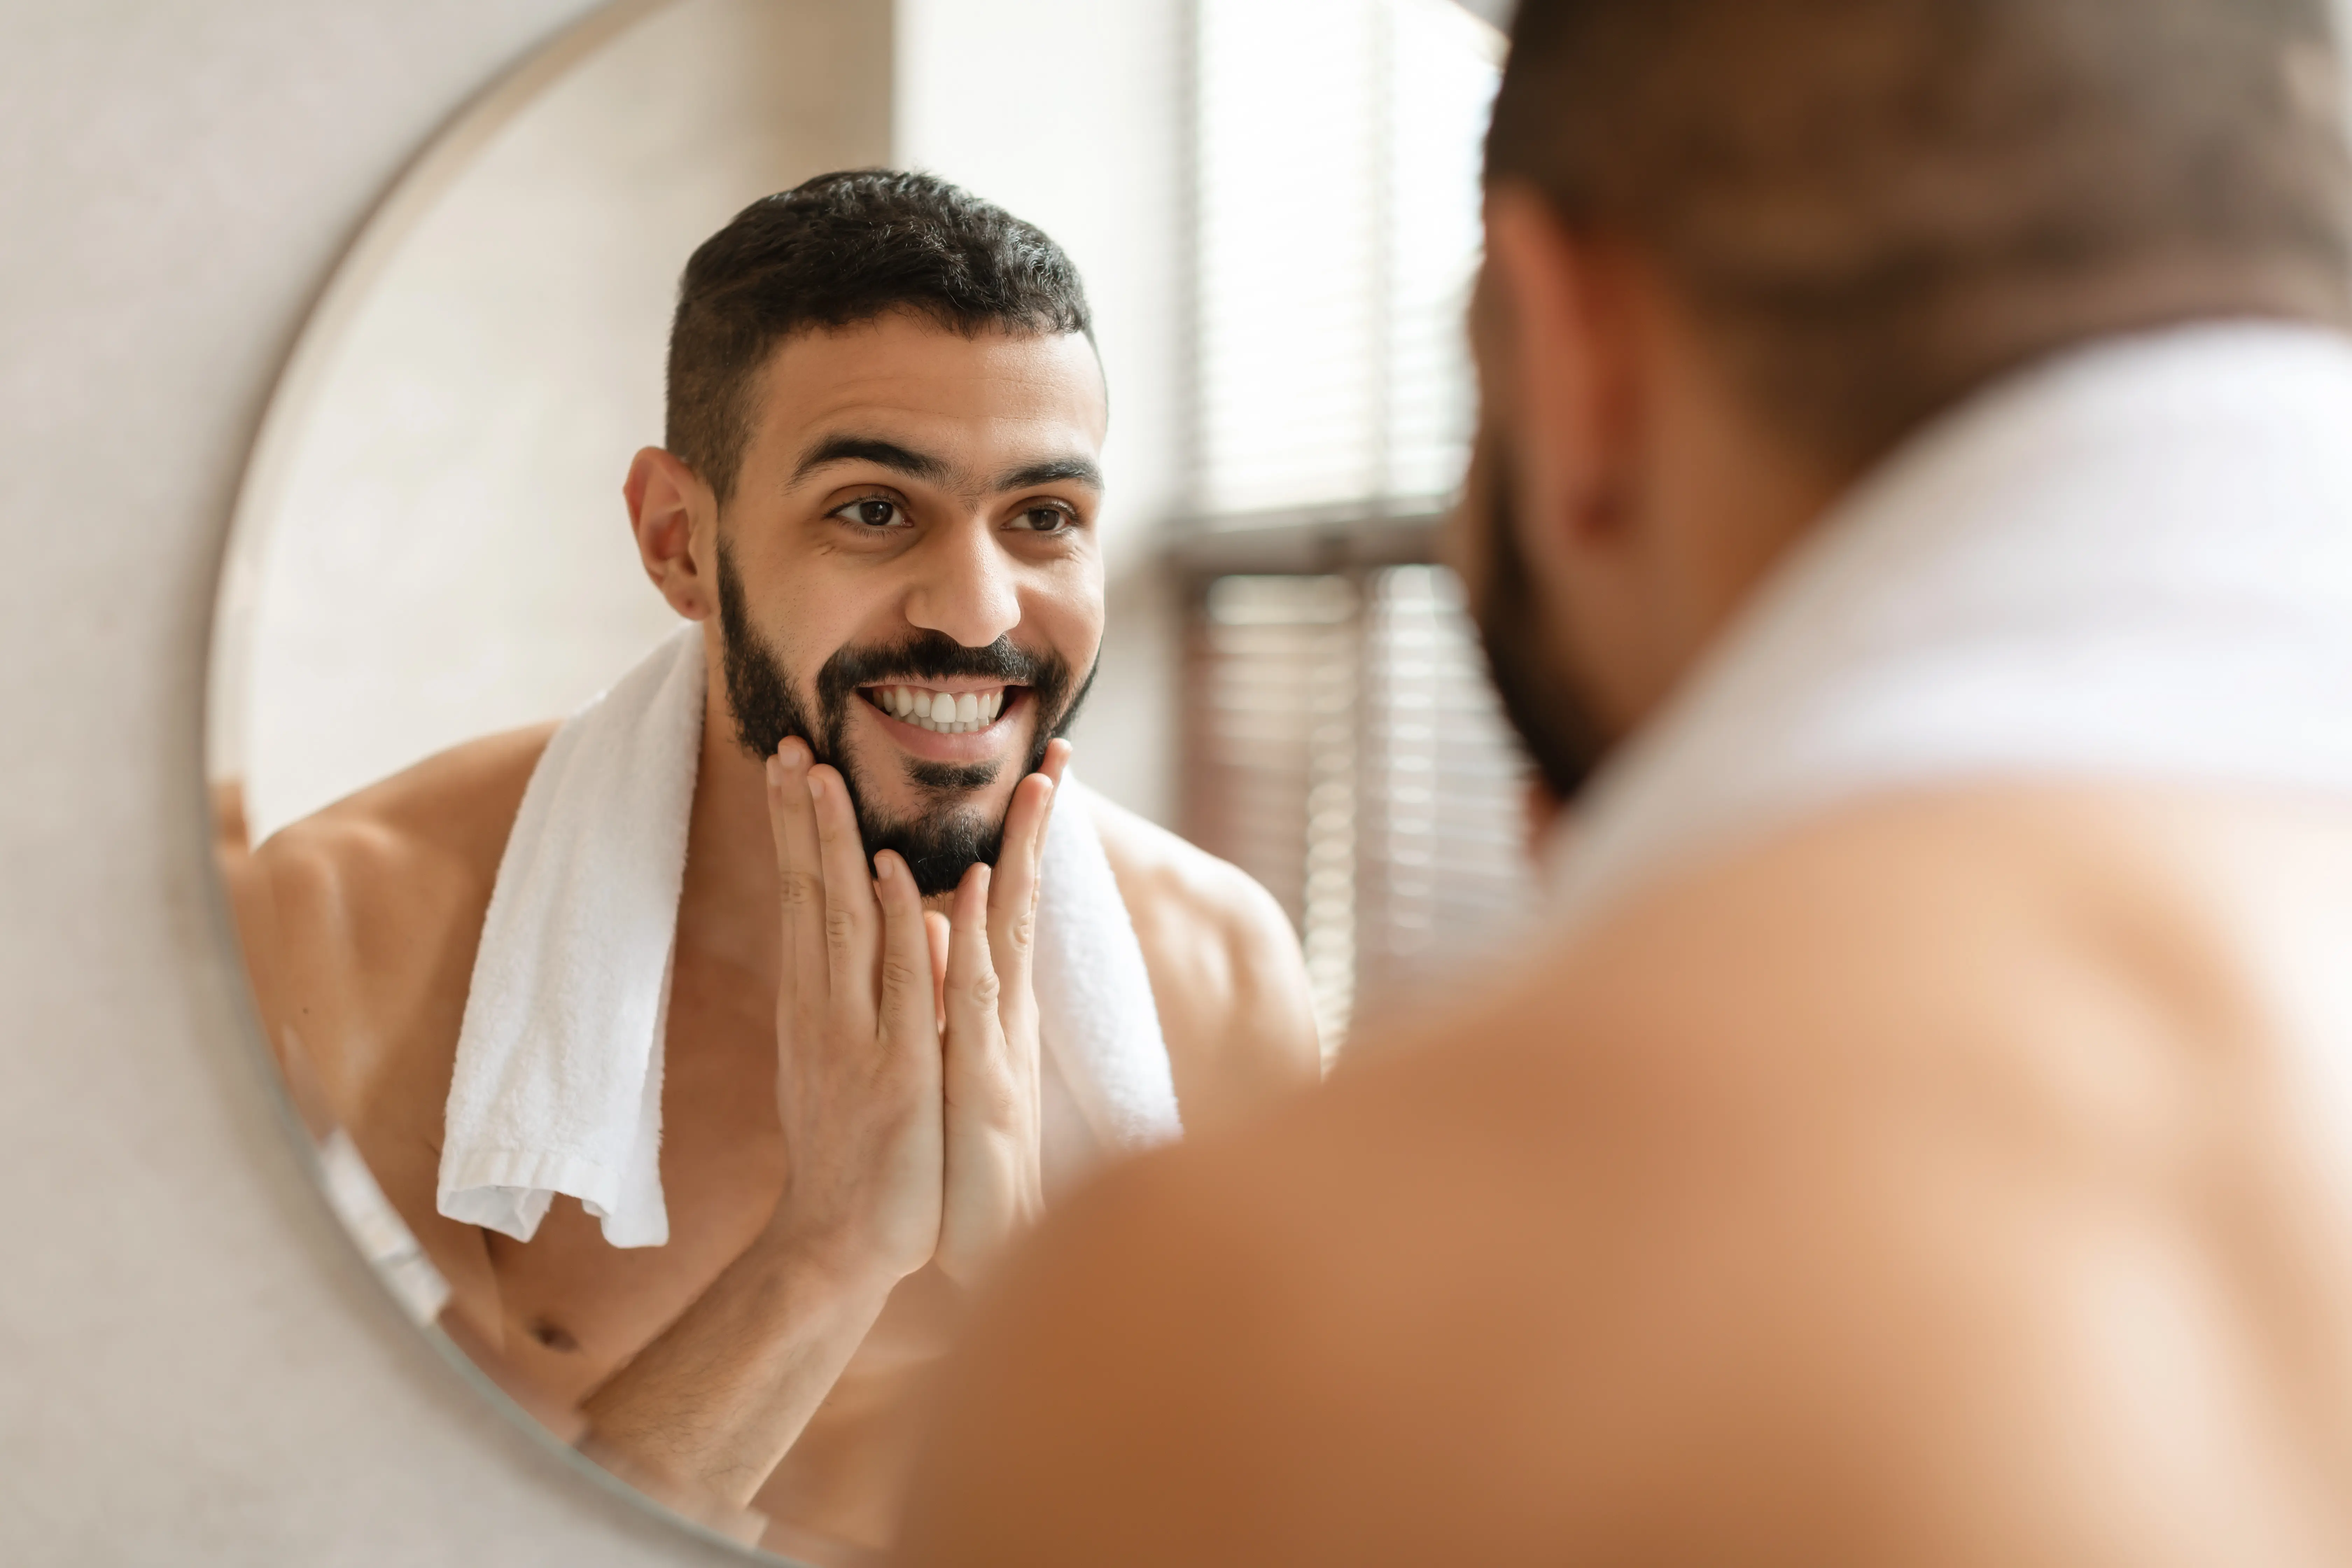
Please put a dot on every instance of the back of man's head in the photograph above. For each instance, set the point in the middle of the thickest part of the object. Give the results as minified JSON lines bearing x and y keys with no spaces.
{"x":1875,"y":205}
{"x":837,"y":252}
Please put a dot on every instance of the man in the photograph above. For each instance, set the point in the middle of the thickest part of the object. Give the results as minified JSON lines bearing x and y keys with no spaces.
{"x":880,"y":483}
{"x":1915,"y":447}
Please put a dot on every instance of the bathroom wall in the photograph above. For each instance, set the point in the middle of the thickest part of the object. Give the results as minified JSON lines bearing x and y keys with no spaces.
{"x":196,"y":1369}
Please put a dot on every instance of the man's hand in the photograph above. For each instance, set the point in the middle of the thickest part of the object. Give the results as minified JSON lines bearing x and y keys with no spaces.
{"x":994,"y":1185}
{"x":858,"y":1053}
{"x":911,"y":1123}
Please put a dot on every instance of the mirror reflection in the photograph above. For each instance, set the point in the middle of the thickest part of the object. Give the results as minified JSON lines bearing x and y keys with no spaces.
{"x":819,"y":644}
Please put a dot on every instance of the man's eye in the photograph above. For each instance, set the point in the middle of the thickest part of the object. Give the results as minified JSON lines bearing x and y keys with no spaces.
{"x":872,"y":512}
{"x":1045,"y":519}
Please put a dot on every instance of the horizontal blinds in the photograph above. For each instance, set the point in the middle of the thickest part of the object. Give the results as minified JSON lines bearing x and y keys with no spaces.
{"x":1347,"y":752}
{"x":1441,"y":842}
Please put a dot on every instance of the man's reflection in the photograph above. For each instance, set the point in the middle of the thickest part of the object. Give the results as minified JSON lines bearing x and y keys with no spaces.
{"x":878,"y":502}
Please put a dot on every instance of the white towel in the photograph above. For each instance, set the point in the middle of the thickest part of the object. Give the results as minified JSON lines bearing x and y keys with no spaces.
{"x":558,"y":1081}
{"x":2134,"y":564}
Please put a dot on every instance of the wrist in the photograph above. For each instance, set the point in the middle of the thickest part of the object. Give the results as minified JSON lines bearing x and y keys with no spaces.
{"x":831,"y":1255}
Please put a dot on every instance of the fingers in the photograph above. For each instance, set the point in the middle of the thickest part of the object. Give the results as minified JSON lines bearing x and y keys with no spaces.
{"x":1057,"y":758}
{"x":973,"y":1027}
{"x":853,"y":921}
{"x":1012,"y":895}
{"x":800,"y":874}
{"x":1013,"y":891}
{"x":909,"y":1005}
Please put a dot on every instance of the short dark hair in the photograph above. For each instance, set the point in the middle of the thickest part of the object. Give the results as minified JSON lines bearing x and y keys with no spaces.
{"x":833,"y":252}
{"x":1873,"y":207}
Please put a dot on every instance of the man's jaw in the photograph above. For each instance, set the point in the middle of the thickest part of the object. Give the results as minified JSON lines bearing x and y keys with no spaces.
{"x":955,"y":720}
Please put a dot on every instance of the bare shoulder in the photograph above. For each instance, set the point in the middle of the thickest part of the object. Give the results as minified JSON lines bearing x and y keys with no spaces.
{"x":1804,"y":1184}
{"x":359,"y":919}
{"x":1226,"y":972}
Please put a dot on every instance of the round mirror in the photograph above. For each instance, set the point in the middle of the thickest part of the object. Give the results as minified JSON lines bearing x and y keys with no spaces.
{"x":1045,"y":369}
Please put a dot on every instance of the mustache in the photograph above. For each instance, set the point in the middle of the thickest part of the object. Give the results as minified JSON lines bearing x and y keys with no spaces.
{"x":935,"y":656}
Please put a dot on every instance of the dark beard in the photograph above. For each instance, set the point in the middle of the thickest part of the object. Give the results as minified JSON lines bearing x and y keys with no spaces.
{"x":943,"y":840}
{"x":1563,"y":738}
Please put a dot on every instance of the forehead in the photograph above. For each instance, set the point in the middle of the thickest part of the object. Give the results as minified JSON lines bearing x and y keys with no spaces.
{"x":979,"y":397}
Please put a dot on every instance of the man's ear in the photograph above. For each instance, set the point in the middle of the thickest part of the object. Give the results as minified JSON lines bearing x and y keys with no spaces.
{"x":1559,"y":362}
{"x":675,"y":520}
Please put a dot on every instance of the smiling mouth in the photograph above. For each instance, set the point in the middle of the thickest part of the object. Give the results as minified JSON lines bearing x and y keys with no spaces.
{"x":944,"y":712}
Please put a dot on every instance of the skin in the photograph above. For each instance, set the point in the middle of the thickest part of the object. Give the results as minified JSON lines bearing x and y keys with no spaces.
{"x":1956,"y":1177}
{"x":850,"y":1096}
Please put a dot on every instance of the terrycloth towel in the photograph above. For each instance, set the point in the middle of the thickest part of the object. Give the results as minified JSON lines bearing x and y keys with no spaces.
{"x":558,"y":1081}
{"x":2134,"y":564}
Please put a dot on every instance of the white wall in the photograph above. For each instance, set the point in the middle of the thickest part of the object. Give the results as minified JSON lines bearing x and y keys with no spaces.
{"x":195,"y":1367}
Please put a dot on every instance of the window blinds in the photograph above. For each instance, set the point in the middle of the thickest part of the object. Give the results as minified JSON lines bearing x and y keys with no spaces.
{"x":1343,"y":745}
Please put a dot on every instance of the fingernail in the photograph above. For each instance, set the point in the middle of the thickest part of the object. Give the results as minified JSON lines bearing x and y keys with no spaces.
{"x":884,"y":866}
{"x":816,"y":787}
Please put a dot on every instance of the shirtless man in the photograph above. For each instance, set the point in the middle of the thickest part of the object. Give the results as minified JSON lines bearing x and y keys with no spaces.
{"x":1927,"y":1137}
{"x":886,"y":416}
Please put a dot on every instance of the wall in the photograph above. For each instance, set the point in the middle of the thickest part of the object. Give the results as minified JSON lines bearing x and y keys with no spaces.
{"x":197,"y":1368}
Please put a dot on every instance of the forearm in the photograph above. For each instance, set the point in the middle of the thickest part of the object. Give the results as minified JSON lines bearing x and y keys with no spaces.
{"x":722,"y":1394}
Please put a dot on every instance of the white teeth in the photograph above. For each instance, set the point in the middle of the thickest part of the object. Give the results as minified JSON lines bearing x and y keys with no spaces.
{"x":942,"y":712}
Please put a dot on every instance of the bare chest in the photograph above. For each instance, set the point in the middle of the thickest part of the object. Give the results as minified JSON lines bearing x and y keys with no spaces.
{"x":577,"y":1308}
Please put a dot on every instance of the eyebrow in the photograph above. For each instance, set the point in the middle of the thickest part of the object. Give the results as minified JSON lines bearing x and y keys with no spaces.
{"x":887,"y":454}
{"x":1052,"y":471}
{"x":871,"y":449}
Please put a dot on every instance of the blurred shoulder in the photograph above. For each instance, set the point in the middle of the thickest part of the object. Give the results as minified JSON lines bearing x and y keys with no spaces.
{"x":1226,"y":972}
{"x":1765,"y":1169}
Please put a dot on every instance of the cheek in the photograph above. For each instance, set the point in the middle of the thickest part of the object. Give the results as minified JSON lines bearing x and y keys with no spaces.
{"x":1071,"y":623}
{"x":812,"y":614}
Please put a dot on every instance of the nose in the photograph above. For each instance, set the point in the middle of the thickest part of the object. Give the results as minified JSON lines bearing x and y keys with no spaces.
{"x":966,"y":587}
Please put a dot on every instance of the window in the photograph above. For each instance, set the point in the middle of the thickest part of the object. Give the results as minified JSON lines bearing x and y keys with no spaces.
{"x":1343,"y":744}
